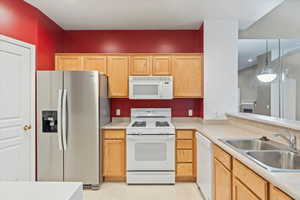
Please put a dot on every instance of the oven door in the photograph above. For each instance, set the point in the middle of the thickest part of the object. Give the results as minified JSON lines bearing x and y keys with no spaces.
{"x":150,"y":152}
{"x":145,"y":90}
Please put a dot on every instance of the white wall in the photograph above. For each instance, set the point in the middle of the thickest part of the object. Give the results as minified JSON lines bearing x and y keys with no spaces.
{"x":220,"y":68}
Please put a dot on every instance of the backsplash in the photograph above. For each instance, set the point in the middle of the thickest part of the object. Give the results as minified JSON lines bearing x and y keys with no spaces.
{"x":180,"y":107}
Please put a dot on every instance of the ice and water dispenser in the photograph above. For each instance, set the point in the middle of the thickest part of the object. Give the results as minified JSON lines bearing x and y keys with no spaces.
{"x":49,"y":119}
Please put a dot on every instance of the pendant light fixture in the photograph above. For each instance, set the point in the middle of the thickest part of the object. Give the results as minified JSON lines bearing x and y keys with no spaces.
{"x":267,"y":73}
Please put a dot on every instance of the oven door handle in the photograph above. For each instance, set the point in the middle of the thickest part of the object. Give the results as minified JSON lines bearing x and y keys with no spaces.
{"x":147,"y":138}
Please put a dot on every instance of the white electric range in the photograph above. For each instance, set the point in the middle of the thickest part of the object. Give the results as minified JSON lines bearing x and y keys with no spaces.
{"x":150,"y":147}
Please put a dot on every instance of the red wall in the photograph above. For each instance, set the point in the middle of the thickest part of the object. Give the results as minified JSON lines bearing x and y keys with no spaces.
{"x":49,"y":42}
{"x":179,"y":107}
{"x":134,"y":41}
{"x":140,"y":41}
{"x":24,"y":22}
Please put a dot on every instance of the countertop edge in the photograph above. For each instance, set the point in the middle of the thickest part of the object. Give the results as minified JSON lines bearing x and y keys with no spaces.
{"x":291,"y":124}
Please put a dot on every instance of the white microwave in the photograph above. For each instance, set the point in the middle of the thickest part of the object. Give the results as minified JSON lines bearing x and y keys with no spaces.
{"x":150,"y":87}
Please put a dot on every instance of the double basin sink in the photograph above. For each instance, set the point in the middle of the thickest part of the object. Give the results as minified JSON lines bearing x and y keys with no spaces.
{"x":271,"y":155}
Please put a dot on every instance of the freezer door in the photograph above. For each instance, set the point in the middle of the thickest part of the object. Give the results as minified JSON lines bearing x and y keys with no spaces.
{"x":81,"y":136}
{"x":49,"y":151}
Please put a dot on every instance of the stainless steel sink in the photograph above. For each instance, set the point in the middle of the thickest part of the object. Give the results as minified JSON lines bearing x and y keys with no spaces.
{"x":271,"y":155}
{"x":254,"y":144}
{"x":277,"y":161}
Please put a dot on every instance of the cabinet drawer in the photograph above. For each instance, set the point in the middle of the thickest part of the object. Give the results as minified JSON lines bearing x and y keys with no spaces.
{"x":241,"y":192}
{"x":184,"y":155}
{"x":114,"y":134}
{"x":184,"y":134}
{"x":277,"y":194}
{"x":184,"y":169}
{"x":254,"y":182}
{"x":222,"y":156}
{"x":184,"y":144}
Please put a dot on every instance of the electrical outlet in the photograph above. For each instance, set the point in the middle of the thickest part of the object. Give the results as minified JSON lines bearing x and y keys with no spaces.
{"x":190,"y":112}
{"x":118,"y":112}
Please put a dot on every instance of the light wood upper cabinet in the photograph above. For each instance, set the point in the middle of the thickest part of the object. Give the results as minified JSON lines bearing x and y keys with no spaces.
{"x":69,"y":63}
{"x":276,"y":194}
{"x":117,"y":71}
{"x":97,"y":63}
{"x":187,"y":76}
{"x":241,"y":192}
{"x":222,"y":181}
{"x":140,"y":65}
{"x":186,"y":70}
{"x":114,"y":158}
{"x":161,"y":65}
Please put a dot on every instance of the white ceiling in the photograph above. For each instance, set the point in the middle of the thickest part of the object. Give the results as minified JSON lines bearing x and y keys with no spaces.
{"x":282,"y":22}
{"x":251,"y":48}
{"x":151,"y":14}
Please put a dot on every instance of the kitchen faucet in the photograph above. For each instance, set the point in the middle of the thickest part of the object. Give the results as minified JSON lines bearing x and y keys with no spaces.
{"x":290,"y":138}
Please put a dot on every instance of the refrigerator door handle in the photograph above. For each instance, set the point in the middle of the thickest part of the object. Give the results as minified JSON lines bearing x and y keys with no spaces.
{"x":64,"y":119}
{"x":59,"y":122}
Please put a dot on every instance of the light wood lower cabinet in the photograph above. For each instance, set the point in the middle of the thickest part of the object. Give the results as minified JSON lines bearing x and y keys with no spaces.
{"x":184,"y":172}
{"x":185,"y":155}
{"x":114,"y":155}
{"x":241,"y":192}
{"x":251,"y":180}
{"x":222,"y":181}
{"x":235,"y":181}
{"x":277,"y":194}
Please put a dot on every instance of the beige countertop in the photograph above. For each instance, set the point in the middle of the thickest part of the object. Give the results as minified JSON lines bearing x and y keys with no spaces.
{"x":287,"y":182}
{"x":118,"y":123}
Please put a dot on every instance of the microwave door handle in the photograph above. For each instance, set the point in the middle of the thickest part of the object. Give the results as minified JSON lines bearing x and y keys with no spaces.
{"x":160,"y":89}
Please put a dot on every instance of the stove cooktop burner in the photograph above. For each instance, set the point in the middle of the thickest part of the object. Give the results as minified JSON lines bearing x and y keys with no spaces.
{"x":139,"y":124}
{"x":162,"y":124}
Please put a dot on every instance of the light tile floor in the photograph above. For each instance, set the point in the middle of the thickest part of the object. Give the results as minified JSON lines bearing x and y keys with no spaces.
{"x":122,"y":191}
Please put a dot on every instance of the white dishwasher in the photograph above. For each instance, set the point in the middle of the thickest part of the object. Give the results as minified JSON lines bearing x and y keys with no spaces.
{"x":204,"y":166}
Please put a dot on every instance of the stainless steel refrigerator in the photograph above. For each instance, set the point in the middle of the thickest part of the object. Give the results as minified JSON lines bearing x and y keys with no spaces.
{"x":71,"y":108}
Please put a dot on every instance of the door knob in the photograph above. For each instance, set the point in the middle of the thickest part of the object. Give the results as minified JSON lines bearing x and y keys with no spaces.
{"x":27,"y":127}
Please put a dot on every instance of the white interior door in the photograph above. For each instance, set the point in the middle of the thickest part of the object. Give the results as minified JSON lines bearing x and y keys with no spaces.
{"x":16,"y":143}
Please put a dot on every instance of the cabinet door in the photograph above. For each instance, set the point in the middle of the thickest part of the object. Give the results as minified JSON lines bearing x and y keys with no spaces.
{"x":117,"y":68}
{"x":140,"y":66}
{"x":114,"y":158}
{"x":276,"y":194}
{"x":222,"y":182}
{"x":184,"y":170}
{"x":97,"y":63}
{"x":184,"y":155}
{"x":187,"y":74}
{"x":241,"y":192}
{"x":69,"y":63}
{"x":161,"y":65}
